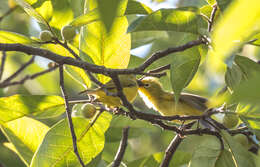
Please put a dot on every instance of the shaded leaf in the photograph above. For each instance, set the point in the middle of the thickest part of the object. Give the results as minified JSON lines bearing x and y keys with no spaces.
{"x":57,"y":150}
{"x":240,"y":155}
{"x":186,"y":19}
{"x":41,"y":106}
{"x":24,"y":135}
{"x":183,"y":69}
{"x":223,"y":4}
{"x":206,"y":154}
{"x":233,"y":76}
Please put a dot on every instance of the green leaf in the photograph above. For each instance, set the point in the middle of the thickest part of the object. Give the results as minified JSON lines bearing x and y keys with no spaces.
{"x":76,"y":73}
{"x":106,"y":49}
{"x":248,"y":67}
{"x":248,"y":91}
{"x":211,"y":2}
{"x":186,"y":19}
{"x":32,"y":12}
{"x":41,"y":106}
{"x":206,"y":154}
{"x":25,"y":134}
{"x":57,"y":150}
{"x":225,"y":160}
{"x":87,"y":18}
{"x":62,"y":13}
{"x":223,"y":4}
{"x":145,"y":37}
{"x":226,"y":37}
{"x":233,"y":76}
{"x":183,"y":69}
{"x":109,"y":10}
{"x":206,"y":10}
{"x":240,"y":155}
{"x":11,"y":37}
{"x":135,"y":7}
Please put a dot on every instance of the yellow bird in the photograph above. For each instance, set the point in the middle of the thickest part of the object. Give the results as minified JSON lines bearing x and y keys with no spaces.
{"x":155,"y":97}
{"x":130,"y":89}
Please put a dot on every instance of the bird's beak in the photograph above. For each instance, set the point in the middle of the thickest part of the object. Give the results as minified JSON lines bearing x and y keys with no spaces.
{"x":140,"y":83}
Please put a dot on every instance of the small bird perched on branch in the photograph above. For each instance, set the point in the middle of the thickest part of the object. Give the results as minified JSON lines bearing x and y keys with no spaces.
{"x":130,"y":90}
{"x":155,"y":97}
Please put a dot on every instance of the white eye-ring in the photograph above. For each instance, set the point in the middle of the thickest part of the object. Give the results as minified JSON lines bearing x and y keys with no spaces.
{"x":147,"y":85}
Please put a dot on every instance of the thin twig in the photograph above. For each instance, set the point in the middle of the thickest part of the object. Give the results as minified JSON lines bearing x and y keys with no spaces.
{"x":212,"y":16}
{"x":27,"y":77}
{"x":2,"y":64}
{"x":7,"y":80}
{"x":68,"y":113}
{"x":8,"y":12}
{"x":122,"y":147}
{"x":160,"y":69}
{"x":122,"y":96}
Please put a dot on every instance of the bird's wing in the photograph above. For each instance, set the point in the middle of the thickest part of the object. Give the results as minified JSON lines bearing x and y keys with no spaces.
{"x":195,"y":101}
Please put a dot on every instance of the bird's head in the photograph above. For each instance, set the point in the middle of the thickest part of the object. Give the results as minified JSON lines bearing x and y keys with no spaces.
{"x":150,"y":86}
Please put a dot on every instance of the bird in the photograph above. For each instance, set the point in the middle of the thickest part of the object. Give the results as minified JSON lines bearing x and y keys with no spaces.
{"x":151,"y":91}
{"x":130,"y":90}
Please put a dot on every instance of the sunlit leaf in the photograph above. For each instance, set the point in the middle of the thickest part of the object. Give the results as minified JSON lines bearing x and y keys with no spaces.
{"x":25,"y":134}
{"x":41,"y":106}
{"x":226,"y":37}
{"x":185,"y":19}
{"x":32,"y":12}
{"x":135,"y":7}
{"x":109,"y":10}
{"x":62,"y":13}
{"x":211,"y":2}
{"x":109,"y":50}
{"x":57,"y":150}
{"x":12,"y":37}
{"x":183,"y":69}
{"x":88,"y":17}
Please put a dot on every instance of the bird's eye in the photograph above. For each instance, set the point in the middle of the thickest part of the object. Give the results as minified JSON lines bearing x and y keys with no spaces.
{"x":146,"y":85}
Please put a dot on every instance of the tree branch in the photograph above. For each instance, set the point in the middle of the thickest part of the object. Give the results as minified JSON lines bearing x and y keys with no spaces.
{"x":122,"y":147}
{"x":7,"y":80}
{"x":212,"y":16}
{"x":95,"y":68}
{"x":28,"y":77}
{"x":2,"y":64}
{"x":68,"y":113}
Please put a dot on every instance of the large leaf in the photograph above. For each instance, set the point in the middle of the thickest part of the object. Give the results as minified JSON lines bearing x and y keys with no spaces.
{"x":240,"y":155}
{"x":183,"y":69}
{"x":41,"y":106}
{"x":206,"y":154}
{"x":135,"y":7}
{"x":11,"y":37}
{"x":145,"y":37}
{"x":25,"y":134}
{"x":32,"y":12}
{"x":181,"y":19}
{"x":248,"y":67}
{"x":226,"y":37}
{"x":233,"y":76}
{"x":109,"y":50}
{"x":57,"y":150}
{"x":109,"y":10}
{"x":62,"y":13}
